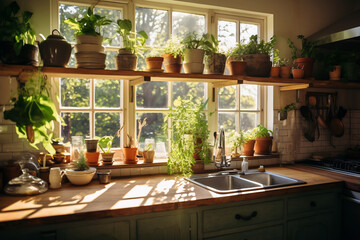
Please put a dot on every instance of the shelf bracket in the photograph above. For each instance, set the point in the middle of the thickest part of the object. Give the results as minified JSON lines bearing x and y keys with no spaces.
{"x":139,"y":80}
{"x":295,"y":87}
{"x":226,"y":83}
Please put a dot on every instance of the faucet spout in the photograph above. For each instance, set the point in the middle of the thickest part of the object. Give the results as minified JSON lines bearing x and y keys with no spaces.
{"x":219,"y":150}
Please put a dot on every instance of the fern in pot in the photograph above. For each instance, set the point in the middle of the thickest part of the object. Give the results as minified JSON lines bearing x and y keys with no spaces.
{"x":214,"y":60}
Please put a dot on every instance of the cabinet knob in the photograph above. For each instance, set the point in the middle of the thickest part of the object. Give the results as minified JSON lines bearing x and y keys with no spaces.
{"x":313,"y":204}
{"x":246,"y":218}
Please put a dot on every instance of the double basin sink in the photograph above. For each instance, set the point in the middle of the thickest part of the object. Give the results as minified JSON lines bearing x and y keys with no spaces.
{"x":234,"y":181}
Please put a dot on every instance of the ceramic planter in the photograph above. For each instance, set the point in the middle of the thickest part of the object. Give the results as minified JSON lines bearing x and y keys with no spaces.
{"x":149,"y":156}
{"x":130,"y":155}
{"x":247,"y":149}
{"x":298,"y":73}
{"x":336,"y":73}
{"x":172,"y":65}
{"x":154,"y":63}
{"x":194,"y":55}
{"x":285,"y":71}
{"x":237,"y":67}
{"x":89,"y":39}
{"x":126,"y":60}
{"x":263,"y":145}
{"x":306,"y":64}
{"x":92,"y":158}
{"x":107,"y":157}
{"x":214,"y":63}
{"x":275,"y":72}
{"x":91,"y":145}
{"x":193,"y":67}
{"x":257,"y":65}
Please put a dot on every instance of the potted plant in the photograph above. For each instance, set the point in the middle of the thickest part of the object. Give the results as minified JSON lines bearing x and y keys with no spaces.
{"x":275,"y":69}
{"x":17,"y":36}
{"x":285,"y":69}
{"x":34,"y":112}
{"x":193,"y":53}
{"x":105,"y":144}
{"x":190,"y":133}
{"x":214,"y":60}
{"x":82,"y":174}
{"x":154,"y":61}
{"x":297,"y":72}
{"x":130,"y":150}
{"x":133,"y":44}
{"x":257,"y":56}
{"x":305,"y":58}
{"x":248,"y":142}
{"x":333,"y":65}
{"x":263,"y":140}
{"x":235,"y":140}
{"x":284,"y":110}
{"x":90,"y":52}
{"x":234,"y":62}
{"x":173,"y":55}
{"x":149,"y":153}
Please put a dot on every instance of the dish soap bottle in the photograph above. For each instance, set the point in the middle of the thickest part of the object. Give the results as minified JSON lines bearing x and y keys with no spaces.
{"x":244,"y":165}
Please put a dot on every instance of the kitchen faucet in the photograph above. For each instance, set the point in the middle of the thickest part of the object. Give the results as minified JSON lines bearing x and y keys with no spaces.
{"x":219,"y":150}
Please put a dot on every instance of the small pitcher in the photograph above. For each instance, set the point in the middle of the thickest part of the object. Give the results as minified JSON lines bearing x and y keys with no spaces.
{"x":55,"y":177}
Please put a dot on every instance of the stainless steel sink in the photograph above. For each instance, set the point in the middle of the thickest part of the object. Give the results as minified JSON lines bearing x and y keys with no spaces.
{"x":229,"y":182}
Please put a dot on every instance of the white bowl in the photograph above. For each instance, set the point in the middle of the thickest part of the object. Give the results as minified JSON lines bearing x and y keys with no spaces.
{"x":80,"y":177}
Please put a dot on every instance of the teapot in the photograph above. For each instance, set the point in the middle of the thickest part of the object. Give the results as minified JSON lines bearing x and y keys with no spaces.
{"x":55,"y":51}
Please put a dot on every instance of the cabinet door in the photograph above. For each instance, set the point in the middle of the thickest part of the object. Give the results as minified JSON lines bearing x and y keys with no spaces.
{"x":268,"y":233}
{"x":170,"y":227}
{"x":317,"y":227}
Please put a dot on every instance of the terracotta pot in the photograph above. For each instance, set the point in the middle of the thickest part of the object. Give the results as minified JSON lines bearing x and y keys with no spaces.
{"x":194,"y":55}
{"x":91,"y":145}
{"x":149,"y":156}
{"x":92,"y":158}
{"x":247,"y":149}
{"x":214,"y":63}
{"x":306,"y":64}
{"x":107,"y":157}
{"x":336,"y":73}
{"x":126,"y":60}
{"x":263,"y":145}
{"x":275,"y":72}
{"x":130,"y":155}
{"x":285,"y":71}
{"x":154,"y":62}
{"x":237,"y":67}
{"x":257,"y":65}
{"x":172,"y":65}
{"x":297,"y":73}
{"x":198,"y":167}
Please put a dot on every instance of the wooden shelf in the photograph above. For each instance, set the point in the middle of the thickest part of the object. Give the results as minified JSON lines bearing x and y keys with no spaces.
{"x":138,"y":77}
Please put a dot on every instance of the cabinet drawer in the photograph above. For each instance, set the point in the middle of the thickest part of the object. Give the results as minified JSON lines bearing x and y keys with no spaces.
{"x":239,"y":216}
{"x":311,"y":203}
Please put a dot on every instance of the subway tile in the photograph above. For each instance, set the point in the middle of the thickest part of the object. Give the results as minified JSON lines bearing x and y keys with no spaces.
{"x":149,"y":170}
{"x":13,"y":147}
{"x":6,"y":138}
{"x":135,"y":171}
{"x":124,"y":172}
{"x":115,"y":172}
{"x":6,"y":128}
{"x":5,"y":156}
{"x":163,"y":169}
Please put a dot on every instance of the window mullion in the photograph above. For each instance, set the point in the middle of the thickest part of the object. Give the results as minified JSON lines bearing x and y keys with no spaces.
{"x":92,"y":107}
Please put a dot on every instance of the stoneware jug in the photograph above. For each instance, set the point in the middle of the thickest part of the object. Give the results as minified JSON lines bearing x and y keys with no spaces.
{"x":55,"y":51}
{"x":55,"y":177}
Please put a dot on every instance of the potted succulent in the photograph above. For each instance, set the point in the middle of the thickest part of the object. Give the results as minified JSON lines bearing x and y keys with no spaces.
{"x":214,"y":60}
{"x":130,"y":150}
{"x":284,"y":110}
{"x":304,"y":59}
{"x":297,"y":72}
{"x":82,"y":174}
{"x":34,"y":112}
{"x":263,"y":140}
{"x":17,"y":36}
{"x":190,"y":133}
{"x":234,"y":62}
{"x":149,"y":153}
{"x":133,"y":44}
{"x":173,"y":55}
{"x":285,"y":69}
{"x":154,"y":61}
{"x":193,"y":53}
{"x":90,"y":53}
{"x":275,"y":69}
{"x":105,"y":144}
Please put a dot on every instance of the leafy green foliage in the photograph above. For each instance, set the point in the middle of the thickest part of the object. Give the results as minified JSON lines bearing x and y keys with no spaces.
{"x":16,"y":29}
{"x":81,"y":164}
{"x":210,"y":44}
{"x":193,"y":41}
{"x":135,"y":41}
{"x":236,"y":51}
{"x":284,"y":62}
{"x":34,"y":107}
{"x":89,"y":24}
{"x":288,"y":108}
{"x":188,"y":124}
{"x":307,"y":48}
{"x":262,"y":47}
{"x":261,"y":131}
{"x":275,"y":57}
{"x":235,"y":139}
{"x":106,"y":142}
{"x":174,"y":47}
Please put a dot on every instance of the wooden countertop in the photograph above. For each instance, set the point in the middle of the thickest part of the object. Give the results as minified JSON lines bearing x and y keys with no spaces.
{"x":135,"y":195}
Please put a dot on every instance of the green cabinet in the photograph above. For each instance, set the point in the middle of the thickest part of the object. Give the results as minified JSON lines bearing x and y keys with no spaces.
{"x":266,"y":233}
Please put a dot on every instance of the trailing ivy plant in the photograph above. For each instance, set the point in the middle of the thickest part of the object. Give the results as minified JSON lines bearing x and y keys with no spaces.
{"x":188,"y":124}
{"x":34,"y":112}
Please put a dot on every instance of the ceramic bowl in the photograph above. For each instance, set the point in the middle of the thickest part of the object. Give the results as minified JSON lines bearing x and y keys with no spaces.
{"x":80,"y":177}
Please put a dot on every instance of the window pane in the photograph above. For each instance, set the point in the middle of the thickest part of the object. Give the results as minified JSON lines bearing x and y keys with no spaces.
{"x":77,"y":124}
{"x":187,"y":90}
{"x":75,"y":92}
{"x":107,"y":93}
{"x":107,"y":124}
{"x":184,"y":23}
{"x":153,"y":129}
{"x":155,"y":23}
{"x":227,"y":97}
{"x":249,"y":97}
{"x":228,"y":121}
{"x":246,"y":30}
{"x":111,"y":37}
{"x":110,"y":61}
{"x":152,"y":95}
{"x":226,"y":35}
{"x":248,"y":120}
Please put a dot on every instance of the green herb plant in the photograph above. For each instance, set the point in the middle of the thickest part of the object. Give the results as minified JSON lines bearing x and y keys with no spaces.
{"x":34,"y":112}
{"x":90,"y":24}
{"x":134,"y":41}
{"x":188,"y":125}
{"x":307,"y":48}
{"x":81,"y":164}
{"x":106,"y":142}
{"x":174,"y":47}
{"x":16,"y":29}
{"x":262,"y":47}
{"x":236,"y":140}
{"x":275,"y":57}
{"x":210,"y":44}
{"x":193,"y":41}
{"x":237,"y":52}
{"x":261,"y":131}
{"x":284,"y":62}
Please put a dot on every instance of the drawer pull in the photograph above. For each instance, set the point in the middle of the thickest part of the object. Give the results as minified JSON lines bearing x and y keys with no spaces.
{"x":246,"y":218}
{"x":313,"y":204}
